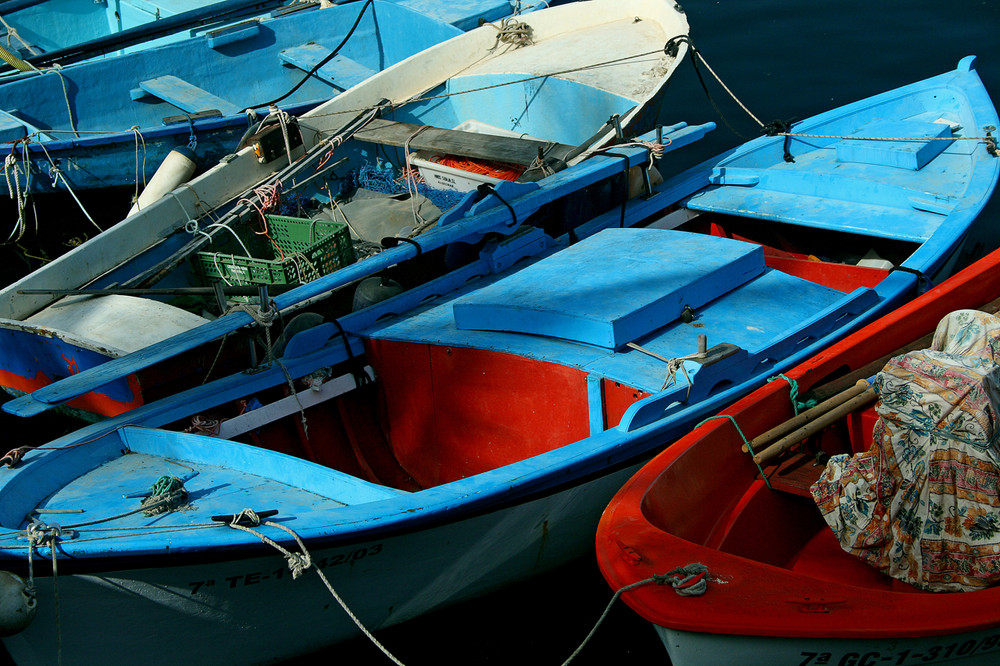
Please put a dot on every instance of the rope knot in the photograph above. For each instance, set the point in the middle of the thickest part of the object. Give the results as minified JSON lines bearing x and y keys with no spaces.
{"x":673,"y":45}
{"x":298,"y":563}
{"x":246,"y":516}
{"x":166,"y":494}
{"x":776,"y":127}
{"x":40,"y":534}
{"x":512,"y":31}
{"x":14,"y":456}
{"x":687,"y":581}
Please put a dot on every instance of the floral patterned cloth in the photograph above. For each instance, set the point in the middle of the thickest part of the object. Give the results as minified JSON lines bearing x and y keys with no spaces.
{"x":923,"y":504}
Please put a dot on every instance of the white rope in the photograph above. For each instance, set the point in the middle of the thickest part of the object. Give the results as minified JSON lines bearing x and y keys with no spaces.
{"x":299,"y":563}
{"x":56,"y":174}
{"x":12,"y":32}
{"x":69,"y":108}
{"x":139,"y":173}
{"x":673,"y":365}
{"x":10,"y":164}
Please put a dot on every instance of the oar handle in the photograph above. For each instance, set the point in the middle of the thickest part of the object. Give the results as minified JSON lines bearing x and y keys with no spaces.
{"x":860,"y":400}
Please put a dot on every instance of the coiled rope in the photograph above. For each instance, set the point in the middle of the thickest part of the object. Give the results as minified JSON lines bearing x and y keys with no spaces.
{"x":512,"y":32}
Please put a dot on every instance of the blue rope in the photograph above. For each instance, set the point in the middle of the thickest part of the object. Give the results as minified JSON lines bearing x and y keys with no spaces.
{"x":382,"y":177}
{"x":767,"y":481}
{"x":797,"y":405}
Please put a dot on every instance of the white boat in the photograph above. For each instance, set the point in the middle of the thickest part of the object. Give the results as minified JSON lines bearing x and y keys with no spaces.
{"x":556,"y":75}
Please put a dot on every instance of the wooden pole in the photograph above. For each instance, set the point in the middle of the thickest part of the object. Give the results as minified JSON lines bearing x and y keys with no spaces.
{"x":801,"y":419}
{"x":866,"y":397}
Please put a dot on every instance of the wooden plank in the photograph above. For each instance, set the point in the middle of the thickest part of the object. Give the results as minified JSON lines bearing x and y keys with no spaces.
{"x":292,"y":404}
{"x":186,"y":96}
{"x":465,"y":144}
{"x":341,"y":72}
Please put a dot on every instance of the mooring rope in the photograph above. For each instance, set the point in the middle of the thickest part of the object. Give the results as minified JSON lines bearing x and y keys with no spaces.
{"x":782,"y":128}
{"x":688,"y":581}
{"x":300,"y":562}
{"x":56,"y":174}
{"x":38,"y":534}
{"x":11,"y":165}
{"x":139,"y":138}
{"x":673,"y":365}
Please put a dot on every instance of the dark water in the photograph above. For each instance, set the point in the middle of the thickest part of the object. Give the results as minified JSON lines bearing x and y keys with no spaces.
{"x":784,"y":59}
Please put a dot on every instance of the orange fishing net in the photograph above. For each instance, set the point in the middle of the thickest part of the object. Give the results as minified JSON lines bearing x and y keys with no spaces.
{"x":501,"y":170}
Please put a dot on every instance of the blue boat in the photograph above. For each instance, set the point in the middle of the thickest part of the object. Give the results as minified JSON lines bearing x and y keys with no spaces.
{"x":468,"y":432}
{"x":473,"y":97}
{"x":42,"y":33}
{"x":112,"y":122}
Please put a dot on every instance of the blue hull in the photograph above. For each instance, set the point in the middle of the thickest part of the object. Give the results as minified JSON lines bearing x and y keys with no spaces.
{"x":97,"y":125}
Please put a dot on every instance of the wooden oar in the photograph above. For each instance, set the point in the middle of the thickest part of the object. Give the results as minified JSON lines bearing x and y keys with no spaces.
{"x":820,"y":421}
{"x":805,"y":417}
{"x":840,"y":397}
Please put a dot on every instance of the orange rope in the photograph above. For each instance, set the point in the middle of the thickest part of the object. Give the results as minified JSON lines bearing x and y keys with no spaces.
{"x":501,"y":170}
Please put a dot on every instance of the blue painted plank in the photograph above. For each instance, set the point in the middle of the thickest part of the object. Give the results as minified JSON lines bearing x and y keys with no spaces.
{"x":905,"y":154}
{"x":186,"y":96}
{"x":578,"y":294}
{"x":340,"y":71}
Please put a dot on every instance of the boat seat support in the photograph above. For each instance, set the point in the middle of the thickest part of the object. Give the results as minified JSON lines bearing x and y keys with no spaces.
{"x":183,"y":95}
{"x":341,"y":72}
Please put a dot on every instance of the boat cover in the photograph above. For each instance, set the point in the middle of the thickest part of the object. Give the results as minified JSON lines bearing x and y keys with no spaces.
{"x":922,"y":503}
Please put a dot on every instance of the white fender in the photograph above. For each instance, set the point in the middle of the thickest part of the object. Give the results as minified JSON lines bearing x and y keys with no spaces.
{"x":177,"y":167}
{"x":17,"y":604}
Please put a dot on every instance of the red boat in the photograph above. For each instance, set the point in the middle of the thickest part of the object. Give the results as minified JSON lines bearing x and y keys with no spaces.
{"x":777,"y":586}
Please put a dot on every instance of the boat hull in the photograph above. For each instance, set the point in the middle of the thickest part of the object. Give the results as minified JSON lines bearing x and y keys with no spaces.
{"x":224,"y":606}
{"x":688,"y":648}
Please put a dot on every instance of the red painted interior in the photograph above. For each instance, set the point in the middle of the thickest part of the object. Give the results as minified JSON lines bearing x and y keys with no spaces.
{"x":617,"y":399}
{"x":843,"y":277}
{"x":453,"y":412}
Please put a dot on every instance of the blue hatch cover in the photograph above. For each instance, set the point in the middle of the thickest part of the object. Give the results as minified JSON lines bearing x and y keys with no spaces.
{"x":613,"y":287}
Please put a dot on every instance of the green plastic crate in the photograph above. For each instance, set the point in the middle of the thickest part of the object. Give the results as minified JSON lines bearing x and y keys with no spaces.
{"x":311,"y":248}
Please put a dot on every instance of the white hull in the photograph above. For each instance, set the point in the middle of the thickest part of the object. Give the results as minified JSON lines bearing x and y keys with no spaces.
{"x":687,"y":648}
{"x":252,"y":611}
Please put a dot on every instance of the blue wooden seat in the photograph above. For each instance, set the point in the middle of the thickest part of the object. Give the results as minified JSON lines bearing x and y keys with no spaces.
{"x":912,"y":153}
{"x":341,"y":72}
{"x":587,"y":294}
{"x":184,"y":95}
